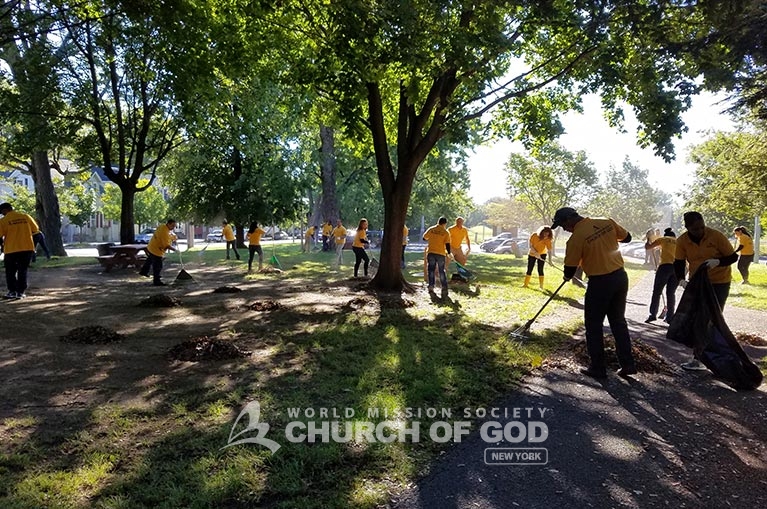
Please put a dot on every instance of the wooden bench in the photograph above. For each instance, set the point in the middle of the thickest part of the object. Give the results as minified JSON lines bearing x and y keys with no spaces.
{"x":107,"y":261}
{"x":123,"y":256}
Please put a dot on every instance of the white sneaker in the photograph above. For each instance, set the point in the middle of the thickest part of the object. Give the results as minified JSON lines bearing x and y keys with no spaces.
{"x":10,"y":295}
{"x":21,"y":295}
{"x":693,"y":365}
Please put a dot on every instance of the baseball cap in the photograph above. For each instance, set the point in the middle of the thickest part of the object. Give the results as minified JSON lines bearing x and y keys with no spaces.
{"x":562,"y":215}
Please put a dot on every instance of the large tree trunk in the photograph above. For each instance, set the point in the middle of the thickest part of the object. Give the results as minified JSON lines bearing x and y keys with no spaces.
{"x":127,"y":235}
{"x":47,"y":203}
{"x":328,"y":205}
{"x":389,"y":276}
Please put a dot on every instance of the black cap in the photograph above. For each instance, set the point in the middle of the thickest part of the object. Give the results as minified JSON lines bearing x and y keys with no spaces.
{"x":562,"y":215}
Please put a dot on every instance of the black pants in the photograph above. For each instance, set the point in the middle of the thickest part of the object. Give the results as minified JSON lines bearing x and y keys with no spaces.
{"x":664,"y":276}
{"x":359,"y":255}
{"x":232,"y":244}
{"x":155,"y":263}
{"x":16,"y":267}
{"x":743,"y":262}
{"x":253,"y":250}
{"x":39,"y":240}
{"x":531,"y":263}
{"x":722,"y":291}
{"x":403,"y":255}
{"x":606,"y":296}
{"x":325,"y":243}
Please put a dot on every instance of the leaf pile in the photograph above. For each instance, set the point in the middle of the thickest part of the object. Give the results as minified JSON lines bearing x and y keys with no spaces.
{"x":647,"y":358}
{"x":264,"y":305}
{"x":91,"y":335}
{"x":206,"y":349}
{"x":160,"y":300}
{"x":750,"y":339}
{"x":227,"y":289}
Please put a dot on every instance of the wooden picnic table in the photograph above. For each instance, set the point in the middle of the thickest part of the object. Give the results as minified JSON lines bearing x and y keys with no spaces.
{"x":123,"y":256}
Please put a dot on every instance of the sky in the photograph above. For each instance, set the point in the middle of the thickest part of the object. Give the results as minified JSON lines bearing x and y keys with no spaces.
{"x":606,"y":146}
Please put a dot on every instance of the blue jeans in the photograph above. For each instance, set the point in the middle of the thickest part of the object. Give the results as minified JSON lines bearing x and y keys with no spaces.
{"x":438,"y":261}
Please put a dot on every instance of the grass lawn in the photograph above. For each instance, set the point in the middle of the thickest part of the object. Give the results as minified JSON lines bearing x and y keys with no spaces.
{"x":162,"y":447}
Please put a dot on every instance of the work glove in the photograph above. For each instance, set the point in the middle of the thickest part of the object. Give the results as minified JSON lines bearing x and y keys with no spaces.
{"x":565,"y":278}
{"x":712,"y":262}
{"x":683,"y":283}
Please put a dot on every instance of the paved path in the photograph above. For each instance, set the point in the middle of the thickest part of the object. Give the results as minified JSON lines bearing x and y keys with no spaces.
{"x":658,"y":440}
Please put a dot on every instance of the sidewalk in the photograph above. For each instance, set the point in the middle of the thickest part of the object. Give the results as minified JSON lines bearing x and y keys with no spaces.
{"x":657,"y":440}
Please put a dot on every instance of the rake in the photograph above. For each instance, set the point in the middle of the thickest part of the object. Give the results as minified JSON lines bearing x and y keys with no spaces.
{"x":183,"y":276}
{"x":521,"y":333}
{"x":560,"y":269}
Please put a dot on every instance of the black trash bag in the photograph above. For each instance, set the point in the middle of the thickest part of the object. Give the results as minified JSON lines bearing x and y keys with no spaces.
{"x":699,"y":324}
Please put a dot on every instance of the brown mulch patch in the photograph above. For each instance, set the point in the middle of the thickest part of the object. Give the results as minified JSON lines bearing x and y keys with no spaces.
{"x":575,"y":355}
{"x":160,"y":300}
{"x":264,"y":305}
{"x":206,"y":349}
{"x":91,"y":335}
{"x":750,"y":339}
{"x":227,"y":289}
{"x":359,"y":302}
{"x":395,"y":302}
{"x":270,"y":270}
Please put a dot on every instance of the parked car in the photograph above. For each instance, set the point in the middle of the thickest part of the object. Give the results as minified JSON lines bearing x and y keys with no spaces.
{"x":215,"y":235}
{"x":145,"y":236}
{"x":490,"y":244}
{"x":634,"y":249}
{"x":518,"y":247}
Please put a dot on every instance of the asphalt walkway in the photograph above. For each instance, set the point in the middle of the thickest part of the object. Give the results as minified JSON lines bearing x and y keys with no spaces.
{"x":677,"y":439}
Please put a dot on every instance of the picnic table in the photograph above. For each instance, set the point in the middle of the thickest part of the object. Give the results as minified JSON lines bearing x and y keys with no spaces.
{"x":123,"y":256}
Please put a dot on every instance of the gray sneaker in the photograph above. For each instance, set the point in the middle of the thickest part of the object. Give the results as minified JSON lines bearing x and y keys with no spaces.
{"x":693,"y":365}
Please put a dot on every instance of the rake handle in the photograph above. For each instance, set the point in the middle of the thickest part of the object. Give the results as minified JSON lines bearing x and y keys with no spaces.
{"x":530,"y":322}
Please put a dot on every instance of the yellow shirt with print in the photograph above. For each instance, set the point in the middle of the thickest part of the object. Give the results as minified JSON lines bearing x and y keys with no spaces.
{"x":339,"y":234}
{"x":228,"y":233}
{"x":254,"y":238}
{"x":358,"y":237}
{"x":667,"y":247}
{"x":161,"y":240}
{"x":539,"y":246}
{"x":326,"y":229}
{"x":594,"y":246}
{"x":713,"y":245}
{"x":405,"y":233}
{"x":437,"y":236}
{"x":17,"y":229}
{"x":457,"y":235}
{"x":747,"y":243}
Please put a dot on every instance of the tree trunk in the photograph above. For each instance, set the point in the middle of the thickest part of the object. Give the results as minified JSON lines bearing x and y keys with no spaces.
{"x":128,"y":193}
{"x":47,"y":203}
{"x":328,"y":206}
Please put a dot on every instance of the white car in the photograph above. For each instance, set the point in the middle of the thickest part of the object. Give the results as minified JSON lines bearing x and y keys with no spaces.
{"x":216,"y":235}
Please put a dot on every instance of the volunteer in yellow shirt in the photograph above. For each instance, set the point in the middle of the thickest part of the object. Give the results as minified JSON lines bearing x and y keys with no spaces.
{"x":405,"y":233}
{"x":16,"y":230}
{"x":704,"y":248}
{"x":540,"y":245}
{"x":254,"y":246}
{"x":664,"y":275}
{"x":745,"y":247}
{"x":438,"y":248}
{"x":458,"y":235}
{"x":308,"y":238}
{"x":327,"y":229}
{"x":594,"y":246}
{"x":231,"y":240}
{"x":339,"y":236}
{"x":359,"y":245}
{"x":160,"y":242}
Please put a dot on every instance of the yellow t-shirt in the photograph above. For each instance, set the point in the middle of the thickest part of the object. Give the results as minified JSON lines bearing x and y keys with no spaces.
{"x":542,"y":246}
{"x":747,"y":243}
{"x":228,"y":233}
{"x":254,"y":238}
{"x":457,"y":235}
{"x":161,"y":240}
{"x":361,"y":234}
{"x":405,"y":232}
{"x":339,"y":233}
{"x":713,"y":245}
{"x":310,"y":232}
{"x":594,"y":246}
{"x":326,"y":229}
{"x":667,"y":249}
{"x":437,"y":236}
{"x":17,"y":229}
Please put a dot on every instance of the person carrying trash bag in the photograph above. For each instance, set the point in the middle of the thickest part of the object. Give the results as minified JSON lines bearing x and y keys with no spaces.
{"x":699,"y":324}
{"x":594,"y":246}
{"x":698,"y":246}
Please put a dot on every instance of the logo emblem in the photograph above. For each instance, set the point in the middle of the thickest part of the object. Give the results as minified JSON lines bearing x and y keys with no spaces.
{"x":253,"y":411}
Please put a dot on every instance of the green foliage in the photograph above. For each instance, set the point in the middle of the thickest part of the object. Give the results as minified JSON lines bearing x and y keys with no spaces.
{"x":77,"y":198}
{"x":550,"y":178}
{"x":150,"y":206}
{"x":627,"y":197}
{"x":22,"y":198}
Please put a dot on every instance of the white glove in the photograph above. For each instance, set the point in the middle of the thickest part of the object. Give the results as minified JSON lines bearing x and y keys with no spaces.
{"x":712,"y":262}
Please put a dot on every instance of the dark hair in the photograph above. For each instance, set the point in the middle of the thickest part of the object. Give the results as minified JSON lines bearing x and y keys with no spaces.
{"x":742,"y":229}
{"x":170,"y":221}
{"x":6,"y":206}
{"x":691,"y":217}
{"x":668,"y":232}
{"x":359,"y":226}
{"x":442,"y":220}
{"x":253,"y":226}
